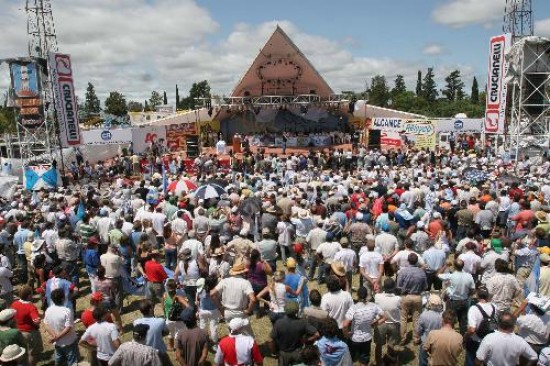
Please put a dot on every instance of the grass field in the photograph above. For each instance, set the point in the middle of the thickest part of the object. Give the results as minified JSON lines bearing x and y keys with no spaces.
{"x":261,"y":327}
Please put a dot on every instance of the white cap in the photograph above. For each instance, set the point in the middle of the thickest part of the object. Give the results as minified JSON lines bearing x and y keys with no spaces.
{"x":237,"y":324}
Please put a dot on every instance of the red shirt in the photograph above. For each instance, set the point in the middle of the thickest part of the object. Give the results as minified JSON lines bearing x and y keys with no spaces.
{"x":87,"y":318}
{"x":248,"y":350}
{"x":26,"y":314}
{"x":155,"y":272}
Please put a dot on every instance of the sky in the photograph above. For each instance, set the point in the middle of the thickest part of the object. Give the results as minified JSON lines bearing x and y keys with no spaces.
{"x":136,"y":46}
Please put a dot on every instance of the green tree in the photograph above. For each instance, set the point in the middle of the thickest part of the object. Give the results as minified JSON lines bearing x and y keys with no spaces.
{"x":91,"y":103}
{"x":116,"y":104}
{"x":419,"y":84}
{"x":134,"y":106}
{"x":379,"y":93}
{"x":474,"y":96}
{"x":454,"y":88}
{"x":198,"y":90}
{"x":398,"y":88}
{"x":155,"y":100}
{"x":165,"y":98}
{"x":429,"y":86}
{"x":7,"y":120}
{"x":177,"y":97}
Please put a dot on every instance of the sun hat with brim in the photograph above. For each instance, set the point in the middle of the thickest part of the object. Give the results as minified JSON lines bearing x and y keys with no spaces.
{"x":271,"y":209}
{"x":541,"y":216}
{"x":291,"y":263}
{"x":545,"y":258}
{"x":12,"y":353}
{"x":237,"y":324}
{"x":37,"y":245}
{"x":6,"y":315}
{"x":338,"y":268}
{"x":238,"y":268}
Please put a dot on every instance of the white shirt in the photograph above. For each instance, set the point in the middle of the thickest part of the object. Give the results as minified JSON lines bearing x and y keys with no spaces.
{"x":402,"y":258}
{"x":104,"y":334}
{"x":179,"y":226}
{"x":59,"y":318}
{"x":533,"y":328}
{"x":5,"y":282}
{"x":194,"y":246}
{"x":475,"y":317}
{"x":346,"y":256}
{"x":471,"y":261}
{"x":158,"y":219}
{"x":370,"y":261}
{"x":328,"y":250}
{"x":337,"y":305}
{"x":104,"y":225}
{"x":504,"y":349}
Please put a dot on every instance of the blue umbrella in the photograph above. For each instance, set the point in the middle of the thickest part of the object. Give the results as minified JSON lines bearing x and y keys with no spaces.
{"x":209,"y":191}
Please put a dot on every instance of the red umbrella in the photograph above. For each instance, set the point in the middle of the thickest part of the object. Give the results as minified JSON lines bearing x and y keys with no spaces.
{"x":180,"y":186}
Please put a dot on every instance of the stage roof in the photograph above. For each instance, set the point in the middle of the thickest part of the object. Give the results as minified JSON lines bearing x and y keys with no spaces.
{"x":281,"y":69}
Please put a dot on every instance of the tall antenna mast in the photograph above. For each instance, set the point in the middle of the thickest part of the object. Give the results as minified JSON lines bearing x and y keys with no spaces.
{"x":39,"y":140}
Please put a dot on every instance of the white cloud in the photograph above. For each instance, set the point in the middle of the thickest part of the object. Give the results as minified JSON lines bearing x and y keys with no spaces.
{"x":433,"y":49}
{"x":135,"y":46}
{"x":542,"y":27}
{"x":459,"y":13}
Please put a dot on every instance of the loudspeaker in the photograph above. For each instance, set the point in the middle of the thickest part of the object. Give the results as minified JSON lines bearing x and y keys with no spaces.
{"x":192,"y":145}
{"x":374,"y":139}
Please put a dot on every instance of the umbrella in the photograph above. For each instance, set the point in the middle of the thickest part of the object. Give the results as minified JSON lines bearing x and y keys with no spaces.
{"x":180,"y":186}
{"x":250,"y":206}
{"x":209,"y":191}
{"x":219,"y":182}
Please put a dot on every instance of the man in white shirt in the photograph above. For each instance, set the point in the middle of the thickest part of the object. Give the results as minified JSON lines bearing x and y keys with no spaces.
{"x":158,"y":220}
{"x":503,"y":347}
{"x":59,"y":323}
{"x":193,"y":245}
{"x":471,"y":260}
{"x":371,"y":266}
{"x":387,"y":333}
{"x":387,"y":245}
{"x":348,"y":257}
{"x":326,"y":251}
{"x":401,"y":259}
{"x":102,"y":334}
{"x":336,"y":302}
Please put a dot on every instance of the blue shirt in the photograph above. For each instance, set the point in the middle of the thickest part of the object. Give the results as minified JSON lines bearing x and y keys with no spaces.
{"x":55,"y":283}
{"x":154,"y":334}
{"x":91,"y":258}
{"x":434,"y":258}
{"x":460,"y":284}
{"x":19,"y":238}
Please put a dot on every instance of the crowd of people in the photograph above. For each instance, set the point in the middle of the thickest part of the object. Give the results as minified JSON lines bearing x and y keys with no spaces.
{"x":355,"y":257}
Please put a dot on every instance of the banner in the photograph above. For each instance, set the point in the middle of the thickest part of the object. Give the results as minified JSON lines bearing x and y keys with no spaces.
{"x":144,"y":137}
{"x":419,"y":127}
{"x":175,"y":135}
{"x":390,"y":139}
{"x":495,"y":109}
{"x":387,"y":124}
{"x":25,"y":81}
{"x":425,"y":142}
{"x":39,"y":176}
{"x":107,"y":137}
{"x":459,"y":125}
{"x":65,"y":100}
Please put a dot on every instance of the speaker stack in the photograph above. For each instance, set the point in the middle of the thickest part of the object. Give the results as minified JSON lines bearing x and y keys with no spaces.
{"x":192,"y":143}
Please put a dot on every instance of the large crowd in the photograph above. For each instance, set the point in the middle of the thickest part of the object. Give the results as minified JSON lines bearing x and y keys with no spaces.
{"x":355,"y":257}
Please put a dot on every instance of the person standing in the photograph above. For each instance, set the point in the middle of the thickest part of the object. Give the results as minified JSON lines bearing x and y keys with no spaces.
{"x":236,"y":294}
{"x":136,"y":352}
{"x":371,"y":266}
{"x":156,"y":275}
{"x":157,"y":329}
{"x":238,"y":348}
{"x":481,"y":321}
{"x":191,"y":344}
{"x":411,"y":282}
{"x":503,"y":286}
{"x":332,"y":349}
{"x":102,"y":334}
{"x":113,"y":264}
{"x":362,"y":317}
{"x":460,"y":286}
{"x":59,"y":323}
{"x":336,"y":301}
{"x":444,"y":346}
{"x":429,"y":320}
{"x":27,"y":321}
{"x":503,"y":347}
{"x":388,"y":332}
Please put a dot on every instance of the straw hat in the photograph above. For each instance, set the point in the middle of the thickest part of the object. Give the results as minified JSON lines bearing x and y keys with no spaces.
{"x":6,"y":315}
{"x":238,"y":268}
{"x":12,"y":353}
{"x":338,"y":268}
{"x":541,"y":216}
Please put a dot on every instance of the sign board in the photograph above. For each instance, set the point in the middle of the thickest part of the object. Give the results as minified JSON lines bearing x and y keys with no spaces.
{"x":65,"y":99}
{"x":459,"y":125}
{"x":25,"y":82}
{"x":107,"y":137}
{"x":145,"y":137}
{"x":495,"y":108}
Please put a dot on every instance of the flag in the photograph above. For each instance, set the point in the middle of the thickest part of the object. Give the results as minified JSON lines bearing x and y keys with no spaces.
{"x":164,"y":180}
{"x":81,"y":210}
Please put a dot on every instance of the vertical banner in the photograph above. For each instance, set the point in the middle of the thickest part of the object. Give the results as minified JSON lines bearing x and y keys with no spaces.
{"x":65,"y":100}
{"x":25,"y":82}
{"x":495,"y":111}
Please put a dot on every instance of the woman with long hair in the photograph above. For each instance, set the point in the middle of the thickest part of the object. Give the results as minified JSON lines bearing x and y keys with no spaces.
{"x":189,"y":271}
{"x":169,"y":298}
{"x":208,"y":307}
{"x":277,"y":291}
{"x":258,"y":270}
{"x":171,"y":242}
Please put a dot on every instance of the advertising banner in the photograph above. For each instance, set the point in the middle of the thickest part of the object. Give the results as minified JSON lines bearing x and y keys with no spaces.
{"x":425,"y":142}
{"x":495,"y":111}
{"x":175,"y":135}
{"x":390,"y":139}
{"x":144,"y":137}
{"x":459,"y":125}
{"x":388,"y":124}
{"x":419,"y":127}
{"x":107,"y":137}
{"x":25,"y":81}
{"x":65,"y":99}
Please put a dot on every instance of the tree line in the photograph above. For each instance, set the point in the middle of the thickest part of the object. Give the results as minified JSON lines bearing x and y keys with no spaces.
{"x":426,"y":99}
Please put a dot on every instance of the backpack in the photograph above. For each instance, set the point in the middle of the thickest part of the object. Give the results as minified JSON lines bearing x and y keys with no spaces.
{"x":489,"y":323}
{"x":175,"y":310}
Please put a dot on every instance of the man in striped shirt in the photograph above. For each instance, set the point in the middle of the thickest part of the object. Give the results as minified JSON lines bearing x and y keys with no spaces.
{"x":238,"y":349}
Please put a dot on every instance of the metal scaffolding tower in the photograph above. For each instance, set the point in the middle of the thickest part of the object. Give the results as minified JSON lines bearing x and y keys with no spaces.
{"x":38,"y":142}
{"x":518,"y":19}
